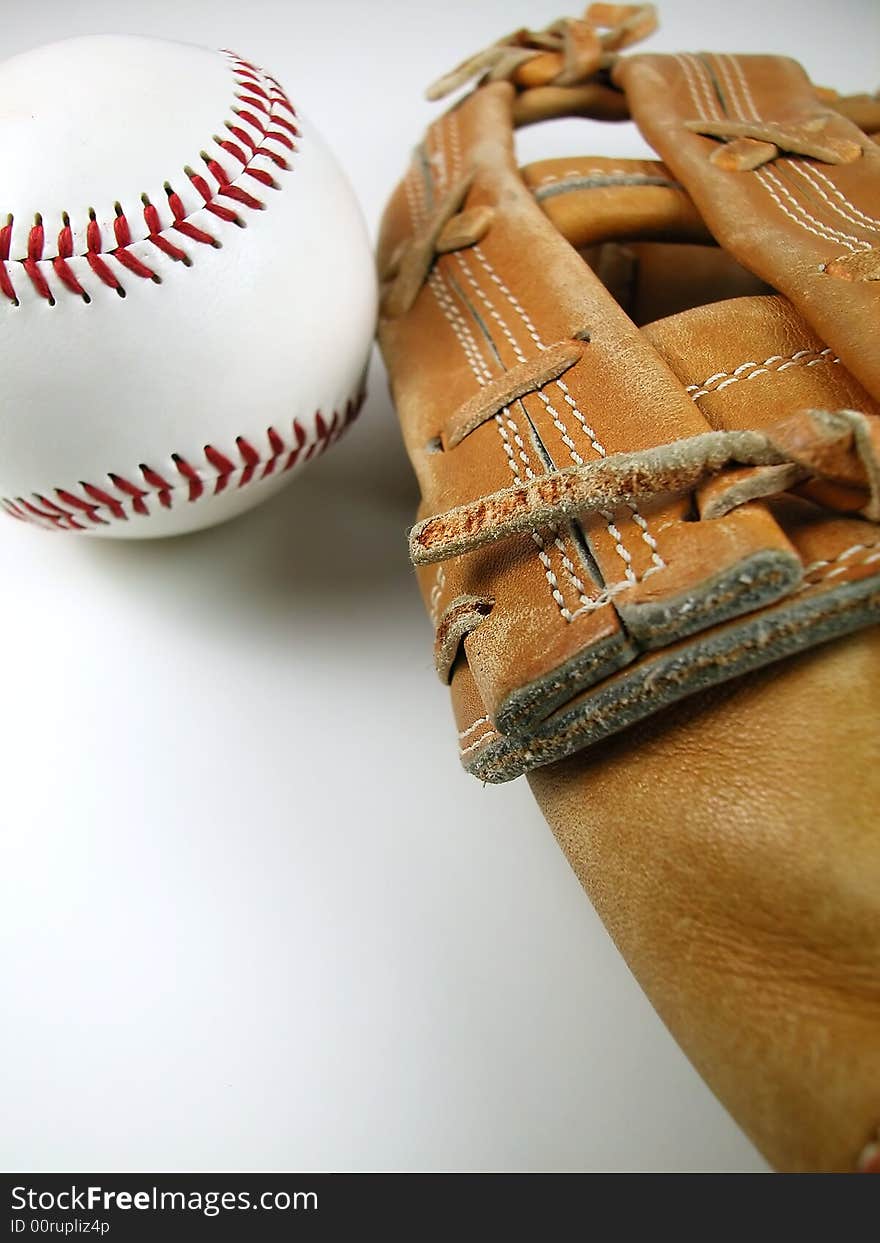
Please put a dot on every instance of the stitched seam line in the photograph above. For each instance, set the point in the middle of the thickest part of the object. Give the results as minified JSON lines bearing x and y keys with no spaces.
{"x":657,"y":561}
{"x":700,"y":89}
{"x":568,"y":565}
{"x":412,"y":188}
{"x":831,"y":234}
{"x":747,"y":371}
{"x":551,"y":178}
{"x":482,"y":373}
{"x":88,"y":505}
{"x":620,"y":548}
{"x":490,"y":733}
{"x":829,"y":569}
{"x":255,"y":136}
{"x":852,"y":216}
{"x":587,"y":604}
{"x":867,"y":220}
{"x":740,"y":92}
{"x":451,"y":129}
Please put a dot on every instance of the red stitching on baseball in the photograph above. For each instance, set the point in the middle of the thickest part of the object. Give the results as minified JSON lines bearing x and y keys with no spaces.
{"x":270,"y":127}
{"x":99,"y":507}
{"x":130,"y":489}
{"x":253,"y":102}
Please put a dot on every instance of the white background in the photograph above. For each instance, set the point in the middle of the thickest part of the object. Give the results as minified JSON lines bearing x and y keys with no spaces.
{"x":252,"y":913}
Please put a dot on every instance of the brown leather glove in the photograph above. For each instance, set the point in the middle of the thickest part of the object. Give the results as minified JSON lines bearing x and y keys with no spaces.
{"x":642,"y":399}
{"x":731,"y":847}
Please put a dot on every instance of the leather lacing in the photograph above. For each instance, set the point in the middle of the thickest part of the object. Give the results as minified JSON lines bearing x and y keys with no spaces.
{"x":751,"y":144}
{"x":842,"y":448}
{"x":568,"y":52}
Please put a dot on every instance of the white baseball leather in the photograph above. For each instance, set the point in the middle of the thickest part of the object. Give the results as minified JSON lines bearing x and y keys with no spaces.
{"x":238,"y":349}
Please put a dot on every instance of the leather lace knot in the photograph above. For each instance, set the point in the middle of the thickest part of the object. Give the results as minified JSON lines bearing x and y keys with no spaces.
{"x":568,"y":52}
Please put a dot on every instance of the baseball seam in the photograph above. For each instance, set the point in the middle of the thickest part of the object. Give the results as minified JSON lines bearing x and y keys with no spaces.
{"x":87,"y":505}
{"x":264,"y":120}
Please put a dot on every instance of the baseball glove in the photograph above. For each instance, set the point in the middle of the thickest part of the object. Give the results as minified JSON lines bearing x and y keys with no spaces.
{"x":640,"y":397}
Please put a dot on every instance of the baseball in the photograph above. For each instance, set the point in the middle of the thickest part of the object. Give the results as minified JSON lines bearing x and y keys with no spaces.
{"x":187,"y":293}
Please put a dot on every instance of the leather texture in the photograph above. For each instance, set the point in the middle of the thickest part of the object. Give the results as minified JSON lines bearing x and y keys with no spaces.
{"x":182,"y":179}
{"x":730,"y":846}
{"x":699,"y":297}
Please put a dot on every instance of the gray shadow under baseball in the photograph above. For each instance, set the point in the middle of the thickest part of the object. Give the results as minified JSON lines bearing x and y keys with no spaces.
{"x":333,"y":539}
